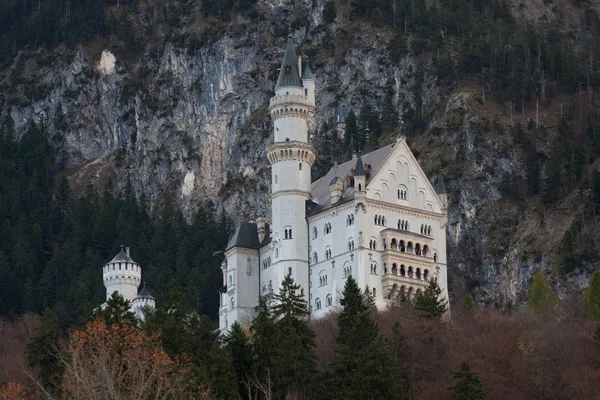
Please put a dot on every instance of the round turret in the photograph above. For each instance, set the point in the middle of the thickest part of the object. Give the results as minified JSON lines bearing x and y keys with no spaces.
{"x":143,"y":300}
{"x":123,"y":275}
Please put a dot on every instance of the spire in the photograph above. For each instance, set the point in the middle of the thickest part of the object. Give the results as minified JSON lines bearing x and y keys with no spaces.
{"x":401,"y":136}
{"x":440,"y":186}
{"x":359,"y":170}
{"x":335,"y":170}
{"x":288,"y":73}
{"x":306,"y":72}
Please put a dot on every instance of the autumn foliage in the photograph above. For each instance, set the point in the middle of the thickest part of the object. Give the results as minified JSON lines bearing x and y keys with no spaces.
{"x":13,"y":391}
{"x":120,"y":362}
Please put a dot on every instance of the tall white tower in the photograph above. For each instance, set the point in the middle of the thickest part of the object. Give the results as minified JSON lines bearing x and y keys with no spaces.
{"x":123,"y":275}
{"x":291,"y":157}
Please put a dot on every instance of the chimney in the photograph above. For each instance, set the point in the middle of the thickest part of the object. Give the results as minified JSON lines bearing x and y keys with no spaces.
{"x":299,"y":65}
{"x":127,"y":251}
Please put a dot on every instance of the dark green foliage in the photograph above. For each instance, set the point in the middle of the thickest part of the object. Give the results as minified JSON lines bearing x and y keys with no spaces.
{"x":541,"y":297}
{"x":467,"y":385}
{"x":184,"y":332}
{"x":431,"y":304}
{"x":117,"y":310}
{"x":296,"y":341}
{"x":597,"y":333}
{"x":53,"y":244}
{"x":351,"y":135}
{"x":361,"y":369}
{"x":44,"y":352}
{"x":239,"y":347}
{"x":329,"y":11}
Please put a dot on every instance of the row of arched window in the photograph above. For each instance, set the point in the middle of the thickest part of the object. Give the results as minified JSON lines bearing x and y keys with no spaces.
{"x":402,"y":291}
{"x":402,"y":194}
{"x":266,"y":263}
{"x":322,"y":278}
{"x":374,"y":268}
{"x":403,"y":225}
{"x":404,"y":247}
{"x":426,"y":230}
{"x":409,"y":272}
{"x":328,"y":302}
{"x":347,"y":271}
{"x":350,"y":220}
{"x":379,"y":220}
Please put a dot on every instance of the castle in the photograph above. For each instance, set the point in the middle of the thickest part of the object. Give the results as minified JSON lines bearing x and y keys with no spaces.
{"x":124,"y":275}
{"x":376,"y":217}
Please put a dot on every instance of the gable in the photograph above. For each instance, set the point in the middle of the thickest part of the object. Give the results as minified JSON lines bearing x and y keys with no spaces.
{"x":400,"y":180}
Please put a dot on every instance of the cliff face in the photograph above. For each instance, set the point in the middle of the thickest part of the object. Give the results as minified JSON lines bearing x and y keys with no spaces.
{"x":191,"y":121}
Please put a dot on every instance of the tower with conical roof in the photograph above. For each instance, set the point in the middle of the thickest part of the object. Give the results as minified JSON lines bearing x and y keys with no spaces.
{"x":122,"y":275}
{"x":291,"y":157}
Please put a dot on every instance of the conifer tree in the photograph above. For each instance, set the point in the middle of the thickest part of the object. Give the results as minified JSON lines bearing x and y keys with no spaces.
{"x":297,"y":340}
{"x":43,"y":351}
{"x":591,"y":297}
{"x":117,"y":310}
{"x":239,"y":347}
{"x":541,"y":296}
{"x":264,"y":336}
{"x":431,"y":304}
{"x":361,"y":369}
{"x":467,"y":385}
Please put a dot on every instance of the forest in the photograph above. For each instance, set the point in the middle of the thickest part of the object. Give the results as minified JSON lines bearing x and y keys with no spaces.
{"x":416,"y":349}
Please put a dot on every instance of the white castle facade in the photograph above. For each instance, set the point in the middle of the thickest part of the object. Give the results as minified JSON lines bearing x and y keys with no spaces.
{"x":124,"y":276}
{"x":376,"y":217}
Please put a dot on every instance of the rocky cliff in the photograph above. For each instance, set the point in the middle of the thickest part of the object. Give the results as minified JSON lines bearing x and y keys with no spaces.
{"x":187,"y":116}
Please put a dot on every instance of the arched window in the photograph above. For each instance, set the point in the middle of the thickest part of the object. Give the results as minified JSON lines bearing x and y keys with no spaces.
{"x":329,"y":300}
{"x":359,"y":187}
{"x":290,"y":271}
{"x":322,"y":278}
{"x":434,"y":257}
{"x":288,"y":233}
{"x":230,"y":280}
{"x":275,"y":178}
{"x":276,"y":253}
{"x":317,"y":304}
{"x":315,"y":233}
{"x":351,"y":245}
{"x":300,"y":167}
{"x":374,"y":293}
{"x":232,"y":303}
{"x":315,"y":258}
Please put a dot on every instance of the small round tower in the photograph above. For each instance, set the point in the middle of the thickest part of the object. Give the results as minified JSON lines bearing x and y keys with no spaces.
{"x":144,"y":299}
{"x":123,"y":275}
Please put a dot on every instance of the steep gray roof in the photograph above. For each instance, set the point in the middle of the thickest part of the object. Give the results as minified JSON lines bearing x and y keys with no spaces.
{"x":320,"y":187}
{"x":306,"y":72}
{"x":144,"y":293}
{"x":246,"y":235}
{"x":289,"y":74}
{"x":122,"y":257}
{"x":359,"y":170}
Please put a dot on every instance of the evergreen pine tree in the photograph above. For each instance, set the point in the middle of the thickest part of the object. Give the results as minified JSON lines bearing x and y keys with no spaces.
{"x":297,"y":341}
{"x":351,"y":133}
{"x":591,"y":297}
{"x":430,"y":304}
{"x":541,"y":296}
{"x":264,"y":336}
{"x":239,"y":347}
{"x":467,"y":385}
{"x":117,"y":310}
{"x":43,"y":351}
{"x":361,"y":369}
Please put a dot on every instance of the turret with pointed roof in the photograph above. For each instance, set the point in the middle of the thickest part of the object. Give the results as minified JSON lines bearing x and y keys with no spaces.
{"x":289,"y":76}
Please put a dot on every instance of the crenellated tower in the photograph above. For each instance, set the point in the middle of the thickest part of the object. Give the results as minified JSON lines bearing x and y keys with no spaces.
{"x":291,"y":157}
{"x":123,"y":275}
